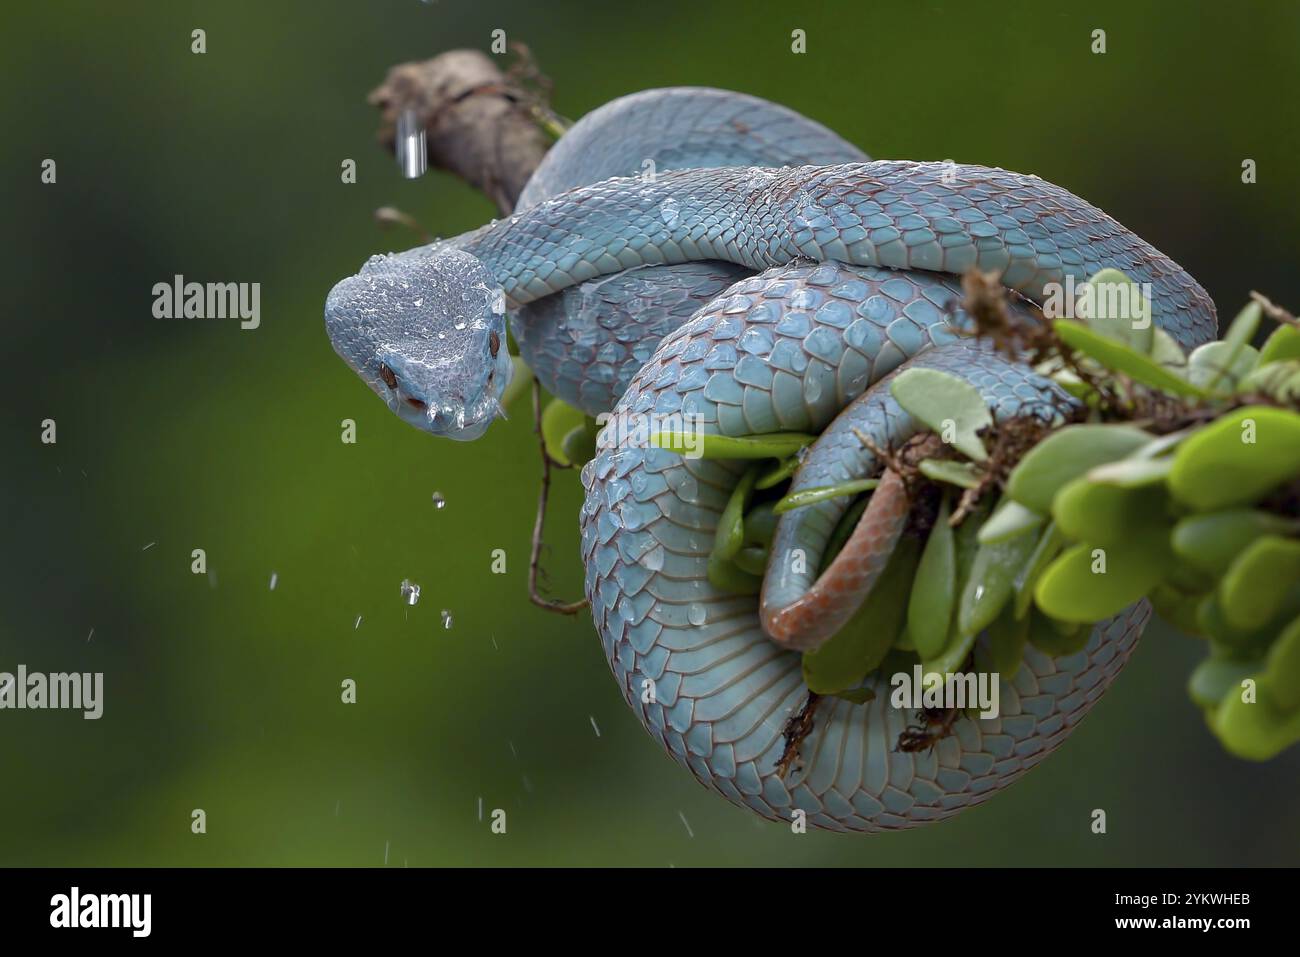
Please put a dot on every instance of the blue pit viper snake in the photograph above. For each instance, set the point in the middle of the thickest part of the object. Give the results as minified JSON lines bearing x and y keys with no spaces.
{"x":766,"y":277}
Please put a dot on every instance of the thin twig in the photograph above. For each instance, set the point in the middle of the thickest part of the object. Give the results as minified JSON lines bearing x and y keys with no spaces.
{"x":796,"y":730}
{"x":535,"y":559}
{"x":1273,"y":310}
{"x":389,"y":216}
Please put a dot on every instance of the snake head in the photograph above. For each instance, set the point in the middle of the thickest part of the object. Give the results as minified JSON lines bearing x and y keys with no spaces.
{"x":425,"y":329}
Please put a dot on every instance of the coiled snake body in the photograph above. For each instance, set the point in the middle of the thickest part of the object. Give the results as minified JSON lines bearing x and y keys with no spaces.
{"x":855,"y":266}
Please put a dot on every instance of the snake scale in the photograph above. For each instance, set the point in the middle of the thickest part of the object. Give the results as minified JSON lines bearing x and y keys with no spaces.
{"x":766,"y":277}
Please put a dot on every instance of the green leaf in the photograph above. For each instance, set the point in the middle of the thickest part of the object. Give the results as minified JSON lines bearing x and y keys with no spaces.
{"x":1237,"y":348}
{"x":1057,"y":639}
{"x":992,"y":578}
{"x":1210,"y":541}
{"x":579,"y":446}
{"x":1119,"y":357}
{"x":1220,"y":366}
{"x":1065,"y":455}
{"x":820,"y":493}
{"x":1231,"y":640}
{"x":950,"y":407}
{"x":1256,"y":587}
{"x":760,"y":524}
{"x":961,"y":474}
{"x":558,"y":420}
{"x":1110,"y":514}
{"x":774,"y":445}
{"x":1177,"y":607}
{"x":1166,"y":351}
{"x":1281,"y":345}
{"x":1007,"y":638}
{"x":1083,"y":587}
{"x":1243,"y":328}
{"x":1132,"y":472}
{"x":951,"y":659}
{"x":1237,"y":459}
{"x":1010,"y":520}
{"x":1256,"y":730}
{"x":730,"y":535}
{"x":760,"y":529}
{"x":1113,"y":305}
{"x":1158,"y":446}
{"x":724,"y":575}
{"x":752,"y":560}
{"x":1279,"y":380}
{"x":1216,"y":677}
{"x":1049,"y":546}
{"x":965,"y":546}
{"x":929,"y":609}
{"x":1283,"y":668}
{"x":845,"y":659}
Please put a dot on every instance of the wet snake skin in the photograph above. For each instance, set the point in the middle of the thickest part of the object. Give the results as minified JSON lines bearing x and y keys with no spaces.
{"x":857,"y":265}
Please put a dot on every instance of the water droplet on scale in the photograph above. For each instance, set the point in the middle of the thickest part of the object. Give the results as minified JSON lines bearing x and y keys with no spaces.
{"x":446,"y":619}
{"x":410,"y":591}
{"x":696,"y":614}
{"x":439,"y":501}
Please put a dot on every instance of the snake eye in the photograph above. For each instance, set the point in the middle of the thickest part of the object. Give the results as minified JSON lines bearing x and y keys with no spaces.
{"x":494,"y":343}
{"x":387,"y":374}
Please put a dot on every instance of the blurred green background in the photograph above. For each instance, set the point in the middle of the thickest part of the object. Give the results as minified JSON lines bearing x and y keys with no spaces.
{"x":222,"y":694}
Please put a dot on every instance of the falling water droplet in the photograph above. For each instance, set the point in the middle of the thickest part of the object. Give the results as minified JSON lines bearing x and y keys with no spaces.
{"x":274,"y":578}
{"x":446,"y":619}
{"x":410,"y":145}
{"x":594,"y":726}
{"x":439,"y":501}
{"x":410,"y":591}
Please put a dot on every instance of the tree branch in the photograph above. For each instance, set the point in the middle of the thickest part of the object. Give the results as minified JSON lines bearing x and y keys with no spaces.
{"x":485,"y":126}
